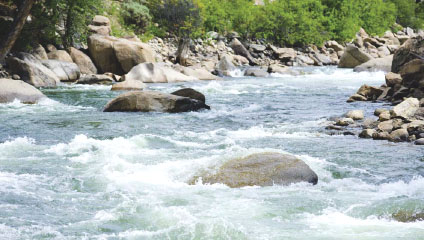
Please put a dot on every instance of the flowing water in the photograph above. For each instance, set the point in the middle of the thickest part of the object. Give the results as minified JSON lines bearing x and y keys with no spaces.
{"x":70,"y":171}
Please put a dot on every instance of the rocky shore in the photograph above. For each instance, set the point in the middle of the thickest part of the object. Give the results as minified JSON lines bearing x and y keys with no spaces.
{"x":404,"y":89}
{"x":128,"y":64}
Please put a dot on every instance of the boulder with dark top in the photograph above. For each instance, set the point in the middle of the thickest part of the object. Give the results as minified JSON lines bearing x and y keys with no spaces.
{"x":32,"y":70}
{"x":410,"y":50}
{"x":153,"y":101}
{"x":22,"y":91}
{"x":261,"y":169}
{"x":190,"y":93}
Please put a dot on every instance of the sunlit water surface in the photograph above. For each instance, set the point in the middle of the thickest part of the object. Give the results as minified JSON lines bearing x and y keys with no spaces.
{"x":70,"y":171}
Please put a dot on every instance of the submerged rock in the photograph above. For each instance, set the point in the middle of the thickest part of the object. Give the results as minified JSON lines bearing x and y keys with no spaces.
{"x":16,"y":89}
{"x":98,"y":79}
{"x":408,"y":216}
{"x":153,"y":101}
{"x":261,"y":169}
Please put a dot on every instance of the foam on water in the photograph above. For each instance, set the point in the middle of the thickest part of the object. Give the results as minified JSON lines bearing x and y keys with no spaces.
{"x":125,"y":175}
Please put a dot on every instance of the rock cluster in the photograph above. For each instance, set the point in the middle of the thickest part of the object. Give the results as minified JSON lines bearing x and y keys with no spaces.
{"x":406,"y":78}
{"x":403,"y":123}
{"x":368,"y":53}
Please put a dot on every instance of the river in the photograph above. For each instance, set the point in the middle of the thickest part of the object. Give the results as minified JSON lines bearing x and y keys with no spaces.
{"x":70,"y":171}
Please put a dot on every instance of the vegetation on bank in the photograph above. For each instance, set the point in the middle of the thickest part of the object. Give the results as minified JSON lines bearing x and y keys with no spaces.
{"x":283,"y":22}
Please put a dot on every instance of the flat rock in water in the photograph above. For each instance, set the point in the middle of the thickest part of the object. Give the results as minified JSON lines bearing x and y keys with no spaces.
{"x":16,"y":89}
{"x":261,"y":169}
{"x":153,"y":101}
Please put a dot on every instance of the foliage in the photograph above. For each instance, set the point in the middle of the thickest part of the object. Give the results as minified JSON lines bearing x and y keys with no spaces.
{"x":61,"y":22}
{"x":136,"y":14}
{"x":180,"y":18}
{"x":409,"y":13}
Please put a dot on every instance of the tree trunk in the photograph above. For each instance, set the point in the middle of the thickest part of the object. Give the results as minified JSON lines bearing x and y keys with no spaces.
{"x":182,"y":52}
{"x":18,"y":24}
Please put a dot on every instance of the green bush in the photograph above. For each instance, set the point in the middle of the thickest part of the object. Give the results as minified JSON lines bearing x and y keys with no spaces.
{"x":136,"y":14}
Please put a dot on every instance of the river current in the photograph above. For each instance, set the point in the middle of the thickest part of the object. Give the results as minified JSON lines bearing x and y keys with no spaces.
{"x":70,"y":171}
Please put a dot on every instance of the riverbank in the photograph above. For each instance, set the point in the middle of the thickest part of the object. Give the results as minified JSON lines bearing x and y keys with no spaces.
{"x":124,"y":175}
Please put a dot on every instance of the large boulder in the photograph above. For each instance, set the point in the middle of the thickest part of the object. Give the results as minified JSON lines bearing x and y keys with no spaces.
{"x":60,"y":55}
{"x":22,"y":91}
{"x":262,"y":169}
{"x":353,"y":56}
{"x":65,"y":71}
{"x":153,"y":101}
{"x":130,"y":53}
{"x":377,"y":64}
{"x":32,"y":70}
{"x":406,"y":109}
{"x":83,"y":61}
{"x":239,"y":49}
{"x":156,"y":73}
{"x":410,"y":50}
{"x":118,"y":55}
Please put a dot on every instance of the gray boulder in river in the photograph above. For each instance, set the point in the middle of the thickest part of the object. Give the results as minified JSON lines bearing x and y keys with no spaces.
{"x":261,"y":169}
{"x":32,"y":70}
{"x":153,"y":101}
{"x":16,"y":89}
